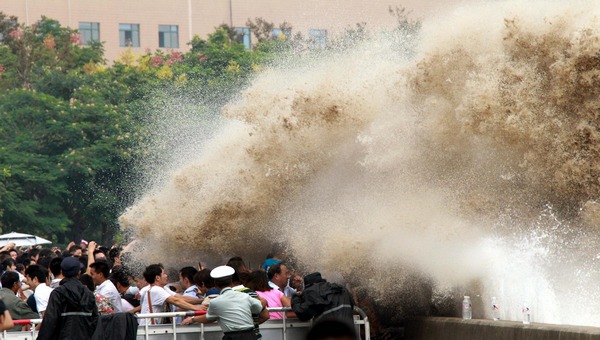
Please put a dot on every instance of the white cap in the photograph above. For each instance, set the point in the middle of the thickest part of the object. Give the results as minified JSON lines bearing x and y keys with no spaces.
{"x":221,"y":271}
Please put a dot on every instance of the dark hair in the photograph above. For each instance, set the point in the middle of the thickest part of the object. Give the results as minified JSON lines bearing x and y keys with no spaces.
{"x":223,"y":282}
{"x":257,"y":281}
{"x":203,"y":278}
{"x":9,"y":278}
{"x":6,"y":264}
{"x":152,"y":271}
{"x":38,"y":271}
{"x":20,"y":267}
{"x":33,"y":252}
{"x":55,"y":266}
{"x":188,"y":272}
{"x":87,"y":281}
{"x":119,"y":275}
{"x":45,"y":252}
{"x":44,"y":261}
{"x":101,"y":267}
{"x":74,"y":249}
{"x":274,"y":269}
{"x":236,"y":263}
{"x":114,"y":253}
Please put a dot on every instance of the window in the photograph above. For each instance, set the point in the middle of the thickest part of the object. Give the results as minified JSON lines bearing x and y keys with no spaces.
{"x":168,"y":36}
{"x":279,"y":34}
{"x":242,"y":35}
{"x":89,"y":32}
{"x":129,"y":35}
{"x":318,"y":38}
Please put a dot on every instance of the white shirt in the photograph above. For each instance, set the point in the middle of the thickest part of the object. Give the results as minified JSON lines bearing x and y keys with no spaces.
{"x":159,"y":296}
{"x":41,"y":295}
{"x":288,"y":291}
{"x":110,"y":292}
{"x":55,"y":283}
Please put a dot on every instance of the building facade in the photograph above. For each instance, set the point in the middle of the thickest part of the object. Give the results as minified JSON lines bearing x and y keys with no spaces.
{"x":170,"y":24}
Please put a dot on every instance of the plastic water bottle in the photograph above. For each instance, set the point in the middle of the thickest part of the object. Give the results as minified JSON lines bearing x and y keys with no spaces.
{"x":467,"y":308}
{"x":526,"y":314}
{"x":495,"y":309}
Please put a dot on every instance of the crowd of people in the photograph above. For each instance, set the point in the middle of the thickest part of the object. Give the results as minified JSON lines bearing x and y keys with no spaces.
{"x":70,"y":289}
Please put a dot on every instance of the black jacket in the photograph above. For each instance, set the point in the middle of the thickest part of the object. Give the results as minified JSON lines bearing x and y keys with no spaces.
{"x":323,"y":300}
{"x":117,"y":326}
{"x":71,"y":312}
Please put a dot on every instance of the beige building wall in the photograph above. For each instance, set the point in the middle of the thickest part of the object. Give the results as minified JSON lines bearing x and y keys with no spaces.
{"x":202,"y":16}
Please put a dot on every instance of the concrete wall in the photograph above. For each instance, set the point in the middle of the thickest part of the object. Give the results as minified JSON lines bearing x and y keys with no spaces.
{"x":457,"y":329}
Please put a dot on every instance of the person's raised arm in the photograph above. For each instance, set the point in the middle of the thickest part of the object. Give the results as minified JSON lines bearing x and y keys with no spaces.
{"x":181,"y":303}
{"x":91,"y":259}
{"x":8,"y":246}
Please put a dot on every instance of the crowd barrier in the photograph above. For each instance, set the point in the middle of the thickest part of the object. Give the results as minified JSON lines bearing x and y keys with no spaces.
{"x":286,"y":328}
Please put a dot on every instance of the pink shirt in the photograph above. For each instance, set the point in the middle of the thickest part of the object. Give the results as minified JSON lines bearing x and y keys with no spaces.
{"x":273,"y":298}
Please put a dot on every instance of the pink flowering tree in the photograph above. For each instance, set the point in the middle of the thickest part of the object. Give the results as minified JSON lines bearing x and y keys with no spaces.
{"x":34,"y":52}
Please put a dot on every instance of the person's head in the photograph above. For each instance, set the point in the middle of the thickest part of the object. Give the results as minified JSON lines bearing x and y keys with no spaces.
{"x":99,"y":272}
{"x":222,"y":276}
{"x":10,"y":280}
{"x":120,"y":278}
{"x":8,"y":264}
{"x":155,"y":275}
{"x":114,"y":255}
{"x":36,"y":275}
{"x":14,"y":254}
{"x":75,"y":251}
{"x":83,"y":244}
{"x":204,"y":281}
{"x":258,"y":282}
{"x":34,"y":254}
{"x":332,"y":330}
{"x":186,"y":277}
{"x":20,"y":268}
{"x":87,"y":281}
{"x":237,"y":263}
{"x":55,"y":267}
{"x":279,"y":274}
{"x":99,"y":255}
{"x":70,"y":267}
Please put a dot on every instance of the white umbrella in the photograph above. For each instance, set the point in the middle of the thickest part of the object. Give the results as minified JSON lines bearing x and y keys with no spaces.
{"x":22,"y":239}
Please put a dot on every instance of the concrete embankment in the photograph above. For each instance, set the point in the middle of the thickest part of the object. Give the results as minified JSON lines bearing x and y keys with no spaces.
{"x":435,"y":328}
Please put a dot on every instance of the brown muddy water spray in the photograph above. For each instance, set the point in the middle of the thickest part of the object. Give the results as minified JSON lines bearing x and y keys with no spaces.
{"x":475,"y":165}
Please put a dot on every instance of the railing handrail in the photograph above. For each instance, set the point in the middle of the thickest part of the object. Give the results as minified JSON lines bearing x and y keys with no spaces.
{"x":364,"y":319}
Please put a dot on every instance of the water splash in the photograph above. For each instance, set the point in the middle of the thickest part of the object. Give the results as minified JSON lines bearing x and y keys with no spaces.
{"x":473,"y":166}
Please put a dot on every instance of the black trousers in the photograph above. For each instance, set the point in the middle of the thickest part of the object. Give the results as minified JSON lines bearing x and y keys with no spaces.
{"x":240,"y":335}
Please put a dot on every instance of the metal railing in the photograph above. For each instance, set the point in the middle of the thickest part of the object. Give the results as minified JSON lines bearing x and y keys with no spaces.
{"x":287,"y":326}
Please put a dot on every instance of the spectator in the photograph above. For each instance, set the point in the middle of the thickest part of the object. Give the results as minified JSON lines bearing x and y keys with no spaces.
{"x":37,"y":278}
{"x":120,"y":279}
{"x":257,"y":281}
{"x":186,"y":280}
{"x":233,"y":309}
{"x":100,"y":273}
{"x":71,"y":312}
{"x":56,"y":271}
{"x":205,"y":283}
{"x":102,"y":303}
{"x":14,"y":254}
{"x":18,"y":308}
{"x":237,"y":263}
{"x":75,"y":251}
{"x":323,"y":300}
{"x":154,"y":298}
{"x":34,"y":255}
{"x":279,"y":277}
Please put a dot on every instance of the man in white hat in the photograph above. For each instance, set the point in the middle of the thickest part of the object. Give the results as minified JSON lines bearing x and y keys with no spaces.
{"x":232,"y":309}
